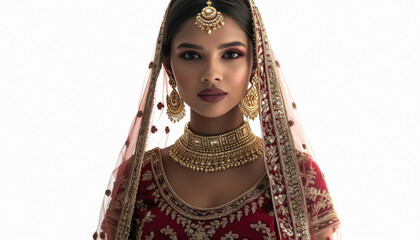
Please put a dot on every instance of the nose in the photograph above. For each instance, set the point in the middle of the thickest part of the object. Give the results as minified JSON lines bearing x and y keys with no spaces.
{"x":212,"y":71}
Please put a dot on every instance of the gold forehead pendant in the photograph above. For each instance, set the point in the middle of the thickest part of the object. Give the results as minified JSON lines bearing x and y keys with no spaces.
{"x":209,"y":18}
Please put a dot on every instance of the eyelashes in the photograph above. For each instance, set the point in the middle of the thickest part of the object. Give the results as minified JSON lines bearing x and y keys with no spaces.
{"x":231,"y":55}
{"x":189,"y":55}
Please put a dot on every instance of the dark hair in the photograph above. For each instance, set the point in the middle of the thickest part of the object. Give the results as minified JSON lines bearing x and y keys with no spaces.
{"x":181,"y":10}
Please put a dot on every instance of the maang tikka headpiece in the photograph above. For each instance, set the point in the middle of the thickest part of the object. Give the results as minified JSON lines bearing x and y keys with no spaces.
{"x":209,"y":18}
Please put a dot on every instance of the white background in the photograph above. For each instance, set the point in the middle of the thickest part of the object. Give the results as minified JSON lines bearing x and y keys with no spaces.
{"x":70,"y":79}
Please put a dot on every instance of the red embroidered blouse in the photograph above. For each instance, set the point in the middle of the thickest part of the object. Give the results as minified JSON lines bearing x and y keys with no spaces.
{"x":160,"y":214}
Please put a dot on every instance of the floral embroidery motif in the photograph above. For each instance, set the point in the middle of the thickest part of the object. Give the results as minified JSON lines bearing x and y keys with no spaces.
{"x":168,"y":231}
{"x":184,"y":215}
{"x":324,"y":199}
{"x":263,"y":227}
{"x":320,"y":205}
{"x":150,"y":237}
{"x":318,"y":201}
{"x":140,"y":205}
{"x":198,"y":231}
{"x":228,"y":209}
{"x":286,"y":187}
{"x":147,"y":176}
{"x":151,"y":187}
{"x":230,"y":236}
{"x":148,"y":218}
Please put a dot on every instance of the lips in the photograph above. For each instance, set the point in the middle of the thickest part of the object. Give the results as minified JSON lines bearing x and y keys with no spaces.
{"x":212,"y":95}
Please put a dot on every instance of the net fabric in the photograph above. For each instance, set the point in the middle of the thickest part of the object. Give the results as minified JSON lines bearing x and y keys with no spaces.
{"x":290,"y":162}
{"x":297,"y":184}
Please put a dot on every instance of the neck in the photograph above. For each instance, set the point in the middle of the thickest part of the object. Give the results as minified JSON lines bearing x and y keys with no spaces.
{"x":214,"y":126}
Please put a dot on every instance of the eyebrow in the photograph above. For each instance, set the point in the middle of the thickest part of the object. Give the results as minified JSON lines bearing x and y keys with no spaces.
{"x":198,"y":47}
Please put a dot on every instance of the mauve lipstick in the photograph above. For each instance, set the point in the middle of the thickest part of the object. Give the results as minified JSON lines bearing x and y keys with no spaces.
{"x":212,"y":95}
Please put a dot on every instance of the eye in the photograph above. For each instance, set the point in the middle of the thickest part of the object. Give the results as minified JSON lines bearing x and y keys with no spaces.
{"x":232,"y":55}
{"x":190,"y":55}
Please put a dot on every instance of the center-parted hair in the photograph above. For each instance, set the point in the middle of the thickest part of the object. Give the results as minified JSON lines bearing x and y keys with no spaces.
{"x":181,"y":10}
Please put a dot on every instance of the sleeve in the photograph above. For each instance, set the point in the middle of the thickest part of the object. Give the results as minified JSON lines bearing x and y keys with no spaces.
{"x":318,"y":200}
{"x":113,"y":213}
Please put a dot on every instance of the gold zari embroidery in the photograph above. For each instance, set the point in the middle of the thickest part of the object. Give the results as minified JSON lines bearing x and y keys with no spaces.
{"x":172,"y":206}
{"x":263,"y":227}
{"x":180,"y":206}
{"x":321,"y":200}
{"x":168,"y":231}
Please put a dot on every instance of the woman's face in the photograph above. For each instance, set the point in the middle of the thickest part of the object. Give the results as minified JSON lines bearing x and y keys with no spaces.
{"x":212,"y":72}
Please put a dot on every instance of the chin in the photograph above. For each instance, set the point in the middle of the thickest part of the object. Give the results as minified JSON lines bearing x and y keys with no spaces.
{"x":214,"y":112}
{"x":211,"y":114}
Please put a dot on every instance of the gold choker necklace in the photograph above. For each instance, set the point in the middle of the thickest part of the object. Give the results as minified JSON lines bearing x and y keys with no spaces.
{"x":214,"y":153}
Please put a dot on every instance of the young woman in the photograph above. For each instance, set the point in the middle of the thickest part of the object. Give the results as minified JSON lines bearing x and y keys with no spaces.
{"x":217,"y":180}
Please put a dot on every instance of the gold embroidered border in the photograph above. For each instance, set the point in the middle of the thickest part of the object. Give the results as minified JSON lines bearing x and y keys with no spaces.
{"x":285,"y":152}
{"x":124,"y":224}
{"x":201,"y":213}
{"x":196,"y":229}
{"x":281,"y":159}
{"x":325,"y":220}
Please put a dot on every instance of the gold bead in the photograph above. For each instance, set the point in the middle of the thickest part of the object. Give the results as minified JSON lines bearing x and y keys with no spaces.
{"x":216,"y":153}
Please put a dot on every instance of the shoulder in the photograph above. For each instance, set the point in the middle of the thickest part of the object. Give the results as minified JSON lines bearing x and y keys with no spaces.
{"x":318,"y":200}
{"x":306,"y":163}
{"x":311,"y":175}
{"x":151,"y":155}
{"x":124,"y":169}
{"x":303,"y":157}
{"x":164,"y":153}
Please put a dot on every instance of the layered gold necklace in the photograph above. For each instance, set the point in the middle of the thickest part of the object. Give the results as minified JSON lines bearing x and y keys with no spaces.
{"x":214,"y":153}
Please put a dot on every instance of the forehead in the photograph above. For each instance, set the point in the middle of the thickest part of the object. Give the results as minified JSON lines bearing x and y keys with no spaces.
{"x":190,"y":33}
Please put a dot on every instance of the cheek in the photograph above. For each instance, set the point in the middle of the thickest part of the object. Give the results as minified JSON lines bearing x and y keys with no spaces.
{"x":242,"y":85}
{"x":183,"y":75}
{"x":240,"y":81}
{"x":184,"y":86}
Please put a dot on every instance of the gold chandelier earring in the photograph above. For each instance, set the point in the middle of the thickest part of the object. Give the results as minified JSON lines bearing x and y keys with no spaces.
{"x":249,"y":104}
{"x":176,"y":107}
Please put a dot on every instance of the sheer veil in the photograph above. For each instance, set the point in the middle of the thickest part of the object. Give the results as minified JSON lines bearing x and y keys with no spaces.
{"x":288,"y":156}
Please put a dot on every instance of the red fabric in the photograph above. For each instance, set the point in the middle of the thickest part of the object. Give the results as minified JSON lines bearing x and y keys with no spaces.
{"x":254,"y":220}
{"x":109,"y":225}
{"x":234,"y":229}
{"x":318,"y":200}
